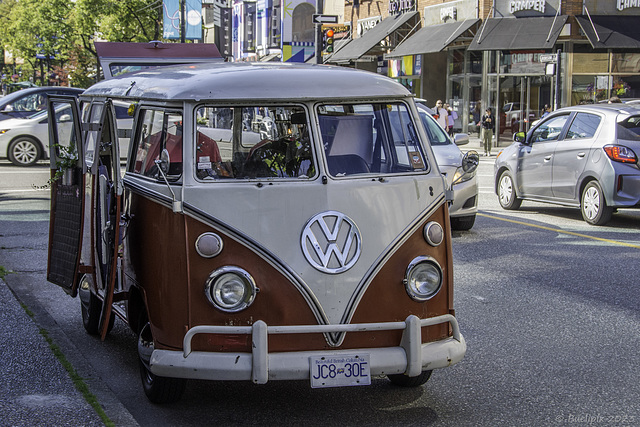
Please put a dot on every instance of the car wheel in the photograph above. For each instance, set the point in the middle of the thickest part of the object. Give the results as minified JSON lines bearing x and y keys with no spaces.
{"x":403,"y":380}
{"x":507,"y":192}
{"x":593,"y":205}
{"x":91,"y":307}
{"x":24,"y":151}
{"x":158,"y":389}
{"x":463,"y":223}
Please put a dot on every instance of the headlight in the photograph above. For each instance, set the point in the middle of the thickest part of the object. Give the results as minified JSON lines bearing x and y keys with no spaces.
{"x":3,"y":131}
{"x":462,"y":176}
{"x":423,"y":278}
{"x":230,"y":289}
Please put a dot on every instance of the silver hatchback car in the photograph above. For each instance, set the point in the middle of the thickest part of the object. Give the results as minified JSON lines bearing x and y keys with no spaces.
{"x":582,"y":156}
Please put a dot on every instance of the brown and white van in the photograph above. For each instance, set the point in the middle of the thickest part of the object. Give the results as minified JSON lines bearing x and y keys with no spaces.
{"x":273,"y":222}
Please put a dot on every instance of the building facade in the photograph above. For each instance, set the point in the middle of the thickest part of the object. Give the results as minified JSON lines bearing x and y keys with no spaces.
{"x":512,"y":55}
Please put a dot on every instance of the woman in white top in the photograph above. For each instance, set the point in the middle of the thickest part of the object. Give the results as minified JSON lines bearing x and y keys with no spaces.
{"x":441,"y":115}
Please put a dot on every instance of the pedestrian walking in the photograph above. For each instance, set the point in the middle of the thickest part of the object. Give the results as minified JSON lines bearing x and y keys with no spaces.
{"x":441,"y":116}
{"x":451,"y":118}
{"x":488,"y":127}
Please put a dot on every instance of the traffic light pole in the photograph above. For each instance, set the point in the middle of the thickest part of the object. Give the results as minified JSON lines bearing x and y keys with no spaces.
{"x":318,"y":31}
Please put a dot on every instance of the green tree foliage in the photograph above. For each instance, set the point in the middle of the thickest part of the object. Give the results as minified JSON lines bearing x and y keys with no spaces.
{"x":65,"y":29}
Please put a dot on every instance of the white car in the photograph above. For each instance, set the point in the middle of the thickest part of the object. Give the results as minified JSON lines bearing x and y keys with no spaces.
{"x":25,"y":140}
{"x":462,"y":183}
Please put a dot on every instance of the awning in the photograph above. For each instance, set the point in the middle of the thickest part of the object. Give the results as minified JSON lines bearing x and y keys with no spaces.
{"x":360,"y":46}
{"x":433,"y":38}
{"x":611,"y":32}
{"x":518,"y":33}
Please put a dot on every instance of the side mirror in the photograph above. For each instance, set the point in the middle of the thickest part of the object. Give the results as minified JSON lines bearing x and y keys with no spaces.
{"x":520,"y":137}
{"x":470,"y":161}
{"x":163,"y":163}
{"x":163,"y":168}
{"x":65,"y":118}
{"x":461,"y":138}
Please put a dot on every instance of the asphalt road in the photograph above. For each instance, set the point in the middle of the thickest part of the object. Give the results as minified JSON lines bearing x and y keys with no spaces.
{"x":548,"y":306}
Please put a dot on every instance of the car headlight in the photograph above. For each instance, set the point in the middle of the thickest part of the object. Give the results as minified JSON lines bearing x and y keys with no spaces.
{"x":423,"y":278}
{"x":230,"y":289}
{"x":462,"y":176}
{"x":3,"y":131}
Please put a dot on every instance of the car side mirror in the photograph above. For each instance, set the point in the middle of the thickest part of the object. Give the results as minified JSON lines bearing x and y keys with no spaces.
{"x":470,"y":161}
{"x":461,"y":138}
{"x":65,"y":118}
{"x":520,"y":137}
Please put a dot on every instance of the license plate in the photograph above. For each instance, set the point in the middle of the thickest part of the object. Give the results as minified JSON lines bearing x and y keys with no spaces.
{"x":339,"y":371}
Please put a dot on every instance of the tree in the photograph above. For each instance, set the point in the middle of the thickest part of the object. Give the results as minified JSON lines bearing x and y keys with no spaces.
{"x":62,"y":29}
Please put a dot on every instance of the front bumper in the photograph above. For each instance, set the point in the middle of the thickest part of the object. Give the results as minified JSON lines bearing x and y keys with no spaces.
{"x":465,"y":198}
{"x":410,"y":357}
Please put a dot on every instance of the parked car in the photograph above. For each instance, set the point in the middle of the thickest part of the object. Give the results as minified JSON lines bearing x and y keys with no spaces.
{"x":583,"y":156}
{"x":462,"y":183}
{"x":511,"y":117}
{"x":24,"y":140}
{"x":28,"y":101}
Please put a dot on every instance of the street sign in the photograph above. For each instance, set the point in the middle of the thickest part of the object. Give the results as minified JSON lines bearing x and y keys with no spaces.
{"x":548,"y":57}
{"x":324,"y":19}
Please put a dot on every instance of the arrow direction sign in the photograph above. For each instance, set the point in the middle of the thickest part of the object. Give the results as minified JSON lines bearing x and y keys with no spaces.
{"x":325,"y":19}
{"x":548,"y":57}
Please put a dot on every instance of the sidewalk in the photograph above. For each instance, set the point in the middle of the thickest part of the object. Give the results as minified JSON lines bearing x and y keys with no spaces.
{"x":36,"y":388}
{"x":475,"y":143}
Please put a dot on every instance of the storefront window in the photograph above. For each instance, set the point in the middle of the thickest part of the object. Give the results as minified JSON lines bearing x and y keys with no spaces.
{"x":592,"y":88}
{"x":590,"y":63}
{"x":457,"y":62}
{"x":625,"y":86}
{"x":521,"y":63}
{"x":625,"y":63}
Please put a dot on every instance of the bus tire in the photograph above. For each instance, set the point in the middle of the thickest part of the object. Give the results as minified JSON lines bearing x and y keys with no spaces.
{"x":91,"y":307}
{"x":158,"y":389}
{"x":403,"y":380}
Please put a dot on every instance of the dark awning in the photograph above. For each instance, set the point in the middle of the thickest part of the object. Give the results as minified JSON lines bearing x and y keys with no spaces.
{"x":518,"y":33}
{"x":611,"y":32}
{"x":433,"y":38}
{"x":360,"y":46}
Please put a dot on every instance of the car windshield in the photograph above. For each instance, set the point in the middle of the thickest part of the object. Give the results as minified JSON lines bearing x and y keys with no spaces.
{"x":253,"y":142}
{"x":375,"y":138}
{"x":437,"y":135}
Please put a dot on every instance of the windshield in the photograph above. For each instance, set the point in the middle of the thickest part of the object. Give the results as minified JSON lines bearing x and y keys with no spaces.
{"x":364,"y":139}
{"x":437,"y":135}
{"x":253,"y":142}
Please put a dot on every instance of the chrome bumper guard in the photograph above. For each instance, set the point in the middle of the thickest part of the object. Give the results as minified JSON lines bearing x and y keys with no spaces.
{"x":411,"y":357}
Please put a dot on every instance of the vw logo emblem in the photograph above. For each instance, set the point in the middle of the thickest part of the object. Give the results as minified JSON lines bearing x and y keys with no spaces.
{"x":331,"y":242}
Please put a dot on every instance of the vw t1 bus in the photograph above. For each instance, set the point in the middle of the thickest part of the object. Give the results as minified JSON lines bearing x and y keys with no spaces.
{"x":272,"y":222}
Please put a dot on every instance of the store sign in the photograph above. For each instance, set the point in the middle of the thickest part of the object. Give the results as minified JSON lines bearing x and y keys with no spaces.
{"x":526,"y":8}
{"x":397,"y":7}
{"x":518,"y":5}
{"x":366,"y":24}
{"x":453,"y":11}
{"x":448,"y":14}
{"x":625,"y":4}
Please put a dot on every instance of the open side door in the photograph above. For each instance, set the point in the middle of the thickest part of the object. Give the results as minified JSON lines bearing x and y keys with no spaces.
{"x":103,"y":162}
{"x":67,"y":193}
